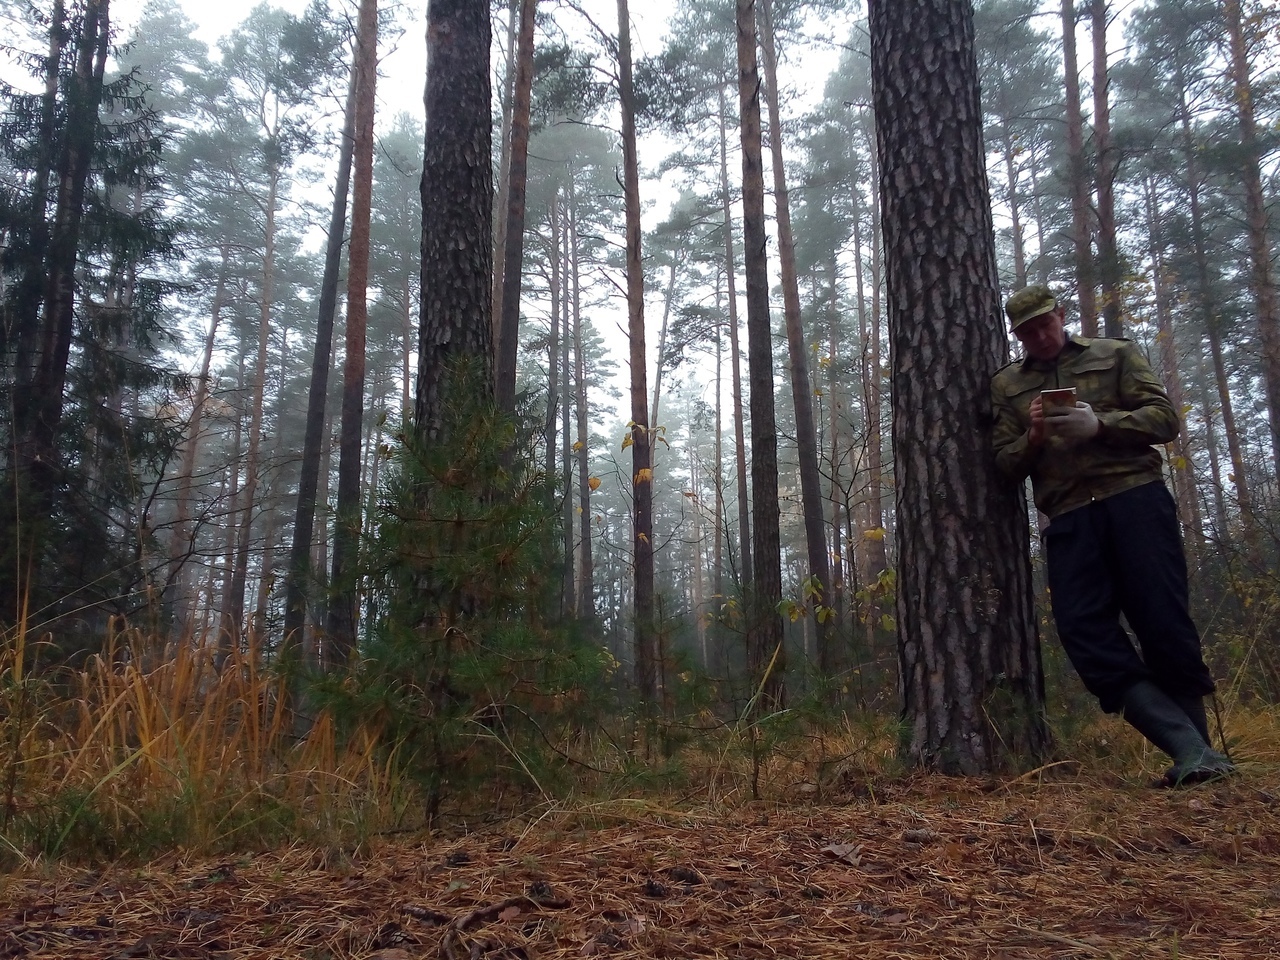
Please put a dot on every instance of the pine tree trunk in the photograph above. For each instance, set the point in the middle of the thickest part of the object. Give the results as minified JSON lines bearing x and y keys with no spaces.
{"x":300,"y":571}
{"x":834,"y":393}
{"x":876,"y":552}
{"x":457,"y":208}
{"x":641,"y":440}
{"x":513,"y":243}
{"x":1208,"y":308}
{"x":767,"y":653}
{"x":233,"y":611}
{"x":1105,"y":162}
{"x":181,"y":542}
{"x":1078,"y":181}
{"x":1181,"y":470}
{"x":797,"y":348}
{"x":586,"y":594}
{"x":344,"y":591}
{"x":735,"y":353}
{"x":968,"y":647}
{"x":504,"y":168}
{"x":676,"y":262}
{"x":1261,"y":278}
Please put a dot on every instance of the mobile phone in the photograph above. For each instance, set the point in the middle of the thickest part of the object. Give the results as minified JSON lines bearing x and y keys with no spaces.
{"x":1059,"y":398}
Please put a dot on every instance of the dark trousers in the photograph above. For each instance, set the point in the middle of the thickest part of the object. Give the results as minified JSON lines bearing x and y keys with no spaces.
{"x":1124,"y":555}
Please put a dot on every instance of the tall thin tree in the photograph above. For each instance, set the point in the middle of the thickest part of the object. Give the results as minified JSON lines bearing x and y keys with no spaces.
{"x":344,"y":597}
{"x":641,"y":440}
{"x":764,"y":625}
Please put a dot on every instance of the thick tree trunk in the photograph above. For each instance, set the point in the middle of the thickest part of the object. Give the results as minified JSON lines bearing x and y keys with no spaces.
{"x":767,"y":653}
{"x":513,"y":243}
{"x":298,"y":579}
{"x":457,"y":208}
{"x":797,"y":349}
{"x":1105,"y":164}
{"x":344,"y":591}
{"x":735,"y":353}
{"x":1086,"y":299}
{"x":968,"y":647}
{"x":1261,"y":277}
{"x":641,"y":440}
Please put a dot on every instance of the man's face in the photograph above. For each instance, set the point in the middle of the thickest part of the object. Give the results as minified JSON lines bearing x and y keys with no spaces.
{"x":1043,"y":337}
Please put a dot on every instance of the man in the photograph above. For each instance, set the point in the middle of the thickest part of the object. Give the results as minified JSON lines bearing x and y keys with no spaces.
{"x":1113,"y":543}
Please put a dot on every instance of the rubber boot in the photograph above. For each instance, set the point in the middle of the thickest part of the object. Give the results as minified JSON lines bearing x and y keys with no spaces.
{"x":1193,"y":707}
{"x":1157,"y":716}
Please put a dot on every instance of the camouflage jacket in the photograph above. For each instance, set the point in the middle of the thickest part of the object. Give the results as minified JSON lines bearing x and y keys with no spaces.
{"x":1114,"y":378}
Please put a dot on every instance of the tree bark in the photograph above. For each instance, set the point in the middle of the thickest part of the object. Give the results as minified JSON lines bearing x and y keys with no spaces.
{"x":1181,"y":471}
{"x":641,"y":440}
{"x":1086,"y":300}
{"x":343,"y":590}
{"x":735,"y":353}
{"x":513,"y":243}
{"x":767,"y":653}
{"x":586,"y":599}
{"x":797,"y":349}
{"x":1261,"y":278}
{"x":300,"y":570}
{"x":1105,"y":174}
{"x":973,"y":693}
{"x":457,"y":208}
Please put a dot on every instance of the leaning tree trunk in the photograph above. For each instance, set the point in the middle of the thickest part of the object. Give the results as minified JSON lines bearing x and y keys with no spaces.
{"x":1261,"y":278}
{"x":766,"y":651}
{"x":1105,"y":174}
{"x":343,"y":590}
{"x":797,"y":349}
{"x":1078,"y":181}
{"x":299,"y":575}
{"x":457,"y":208}
{"x":513,"y":242}
{"x":973,"y":692}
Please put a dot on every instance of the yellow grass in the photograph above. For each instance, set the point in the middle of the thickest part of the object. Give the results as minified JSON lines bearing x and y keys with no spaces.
{"x":137,"y":758}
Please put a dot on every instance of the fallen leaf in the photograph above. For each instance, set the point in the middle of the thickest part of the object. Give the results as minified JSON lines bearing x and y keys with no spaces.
{"x":509,"y":914}
{"x":844,"y":852}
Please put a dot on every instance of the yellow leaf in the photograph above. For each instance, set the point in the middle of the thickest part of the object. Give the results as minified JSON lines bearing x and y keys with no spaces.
{"x":626,"y":441}
{"x":593,"y":483}
{"x":644,"y":476}
{"x":641,"y":536}
{"x":579,"y":510}
{"x":577,"y":445}
{"x":876,"y":534}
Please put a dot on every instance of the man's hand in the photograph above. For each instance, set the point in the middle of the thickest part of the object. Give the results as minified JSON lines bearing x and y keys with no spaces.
{"x":1076,"y":423}
{"x":1036,"y":434}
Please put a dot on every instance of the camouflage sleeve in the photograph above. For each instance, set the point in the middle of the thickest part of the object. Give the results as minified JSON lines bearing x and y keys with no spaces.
{"x":1014,"y":454}
{"x":1144,"y":414}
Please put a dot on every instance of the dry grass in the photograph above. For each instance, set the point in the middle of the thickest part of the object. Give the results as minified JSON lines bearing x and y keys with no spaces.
{"x":119,"y":758}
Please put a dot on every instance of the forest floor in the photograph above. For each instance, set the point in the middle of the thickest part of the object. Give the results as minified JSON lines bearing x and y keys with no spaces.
{"x":894,"y":868}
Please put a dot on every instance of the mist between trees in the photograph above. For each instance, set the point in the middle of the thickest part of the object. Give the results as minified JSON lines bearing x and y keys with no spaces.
{"x":190,"y":388}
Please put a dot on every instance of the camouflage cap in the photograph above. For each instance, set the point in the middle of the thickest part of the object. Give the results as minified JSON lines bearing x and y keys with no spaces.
{"x":1027,"y":303}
